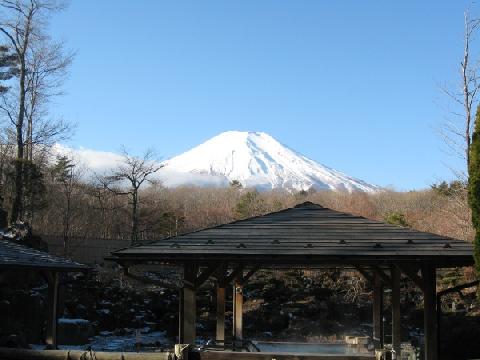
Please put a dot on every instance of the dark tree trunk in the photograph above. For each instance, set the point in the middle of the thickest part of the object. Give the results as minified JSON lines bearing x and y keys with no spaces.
{"x":17,"y":208}
{"x":134,"y":235}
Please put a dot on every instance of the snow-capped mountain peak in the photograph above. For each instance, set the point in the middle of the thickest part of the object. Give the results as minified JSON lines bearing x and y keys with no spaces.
{"x":256,"y":159}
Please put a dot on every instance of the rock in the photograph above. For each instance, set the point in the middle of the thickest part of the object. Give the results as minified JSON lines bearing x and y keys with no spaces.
{"x":21,"y":233}
{"x":74,"y":331}
{"x":14,"y":341}
{"x":322,"y":293}
{"x":81,"y":311}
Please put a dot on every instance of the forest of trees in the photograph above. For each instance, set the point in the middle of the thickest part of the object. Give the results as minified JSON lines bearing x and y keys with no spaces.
{"x":97,"y":212}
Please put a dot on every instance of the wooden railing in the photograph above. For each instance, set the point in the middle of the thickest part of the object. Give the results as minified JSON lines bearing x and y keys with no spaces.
{"x":23,"y":354}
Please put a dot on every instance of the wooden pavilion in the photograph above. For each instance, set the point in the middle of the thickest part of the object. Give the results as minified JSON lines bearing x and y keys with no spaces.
{"x":16,"y":258}
{"x":307,"y":235}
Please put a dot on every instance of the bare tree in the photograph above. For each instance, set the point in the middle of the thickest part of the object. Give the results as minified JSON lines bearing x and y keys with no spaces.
{"x":128,"y":178}
{"x":459,"y":137}
{"x":23,"y":24}
{"x":104,"y":202}
{"x":48,"y":66}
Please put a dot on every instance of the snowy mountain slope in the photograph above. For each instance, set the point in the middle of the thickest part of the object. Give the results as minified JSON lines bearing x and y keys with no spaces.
{"x":256,"y":160}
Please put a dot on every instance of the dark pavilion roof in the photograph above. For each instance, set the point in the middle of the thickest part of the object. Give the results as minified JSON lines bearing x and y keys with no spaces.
{"x":16,"y":256}
{"x":304,"y":235}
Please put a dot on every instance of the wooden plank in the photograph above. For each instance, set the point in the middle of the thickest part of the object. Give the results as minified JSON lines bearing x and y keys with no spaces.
{"x":228,"y":355}
{"x":377,"y":312}
{"x":52,"y":306}
{"x":396,"y":319}
{"x":237,"y":312}
{"x":27,"y":354}
{"x":249,"y":274}
{"x":187,"y":303}
{"x":220,"y":328}
{"x":430,"y":312}
{"x":205,"y":275}
{"x":365,"y":274}
{"x":234,"y":273}
{"x":307,"y":247}
{"x":412,"y":274}
{"x":387,"y":279}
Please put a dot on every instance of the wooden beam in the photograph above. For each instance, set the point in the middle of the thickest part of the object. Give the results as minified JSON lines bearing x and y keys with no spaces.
{"x":369,"y":277}
{"x":220,"y":331}
{"x":233,"y":274}
{"x":387,"y":279}
{"x":458,"y":288}
{"x":377,"y":312}
{"x":52,"y":304}
{"x":249,"y":274}
{"x":237,"y":312}
{"x":205,"y":275}
{"x":396,"y":319}
{"x":187,"y":303}
{"x":28,"y":354}
{"x":412,"y":274}
{"x":430,"y":312}
{"x":241,"y":355}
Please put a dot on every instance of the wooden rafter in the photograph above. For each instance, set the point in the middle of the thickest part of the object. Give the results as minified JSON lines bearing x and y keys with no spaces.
{"x":386,"y":278}
{"x":369,"y":277}
{"x":233,"y":274}
{"x":205,"y":274}
{"x":249,"y":274}
{"x":412,"y":274}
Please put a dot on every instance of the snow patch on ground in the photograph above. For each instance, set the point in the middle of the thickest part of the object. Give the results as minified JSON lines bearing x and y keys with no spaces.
{"x":108,"y":341}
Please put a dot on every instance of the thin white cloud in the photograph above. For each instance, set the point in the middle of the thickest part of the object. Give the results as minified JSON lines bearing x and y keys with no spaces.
{"x":94,"y":161}
{"x":97,"y":161}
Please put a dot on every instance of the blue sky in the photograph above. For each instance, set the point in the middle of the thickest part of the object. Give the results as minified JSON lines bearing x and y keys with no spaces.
{"x":351,"y":84}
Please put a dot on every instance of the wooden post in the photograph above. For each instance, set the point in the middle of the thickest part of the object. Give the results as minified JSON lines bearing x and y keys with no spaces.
{"x":220,"y":335}
{"x":187,"y":303}
{"x":237,"y":311}
{"x":377,"y":312}
{"x":396,"y":319}
{"x":180,"y":351}
{"x":52,"y":304}
{"x":430,"y":312}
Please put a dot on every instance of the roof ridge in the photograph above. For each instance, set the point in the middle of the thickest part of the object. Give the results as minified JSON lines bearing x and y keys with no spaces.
{"x":221,"y":225}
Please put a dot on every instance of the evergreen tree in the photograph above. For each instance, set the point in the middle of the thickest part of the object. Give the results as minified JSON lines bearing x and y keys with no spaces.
{"x":236,"y":184}
{"x":64,"y":174}
{"x":396,"y":218}
{"x":33,"y":187}
{"x":474,"y":186}
{"x":8,"y":67}
{"x":249,"y":204}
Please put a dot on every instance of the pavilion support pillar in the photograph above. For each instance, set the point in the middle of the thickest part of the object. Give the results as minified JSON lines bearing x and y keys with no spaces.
{"x":52,"y":312}
{"x":220,"y":334}
{"x":237,"y":312}
{"x":377,"y":312}
{"x":396,"y":318}
{"x":430,"y":312}
{"x":187,"y":303}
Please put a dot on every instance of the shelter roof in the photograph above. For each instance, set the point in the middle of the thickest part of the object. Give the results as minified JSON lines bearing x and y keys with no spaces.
{"x":303,"y":235}
{"x":15,"y":256}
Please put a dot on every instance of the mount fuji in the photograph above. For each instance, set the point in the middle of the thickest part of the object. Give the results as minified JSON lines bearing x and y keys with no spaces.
{"x":255,"y":159}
